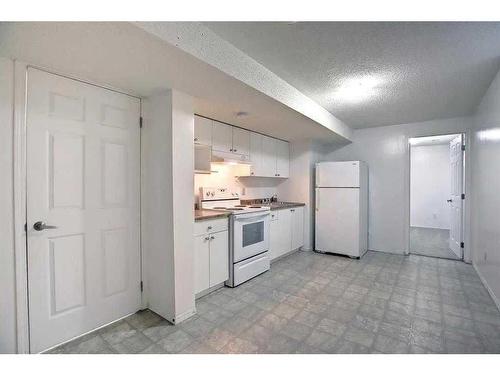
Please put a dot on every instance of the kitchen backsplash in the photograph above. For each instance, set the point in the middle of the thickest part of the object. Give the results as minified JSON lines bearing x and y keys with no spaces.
{"x":225,"y":175}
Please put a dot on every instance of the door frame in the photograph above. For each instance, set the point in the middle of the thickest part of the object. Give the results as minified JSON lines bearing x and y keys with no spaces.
{"x":20,"y":195}
{"x":467,"y":179}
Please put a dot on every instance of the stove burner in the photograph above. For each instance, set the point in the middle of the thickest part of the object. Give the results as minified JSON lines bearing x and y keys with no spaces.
{"x":220,"y":208}
{"x":255,"y":206}
{"x":234,"y":209}
{"x":240,"y":205}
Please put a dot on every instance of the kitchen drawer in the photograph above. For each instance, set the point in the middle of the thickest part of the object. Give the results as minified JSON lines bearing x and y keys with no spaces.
{"x":210,"y":226}
{"x":247,"y":269}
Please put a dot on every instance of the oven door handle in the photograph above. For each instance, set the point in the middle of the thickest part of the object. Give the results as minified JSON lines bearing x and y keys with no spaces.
{"x":247,"y":219}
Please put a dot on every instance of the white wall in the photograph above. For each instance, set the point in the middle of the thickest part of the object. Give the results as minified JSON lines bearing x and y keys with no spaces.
{"x":183,"y":214}
{"x":225,"y":175}
{"x":430,"y":186}
{"x":167,"y":204}
{"x":8,"y":340}
{"x":486,"y":185}
{"x":385,"y":149}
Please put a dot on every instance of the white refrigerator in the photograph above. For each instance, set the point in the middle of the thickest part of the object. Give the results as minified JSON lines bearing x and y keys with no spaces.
{"x":341,"y":219}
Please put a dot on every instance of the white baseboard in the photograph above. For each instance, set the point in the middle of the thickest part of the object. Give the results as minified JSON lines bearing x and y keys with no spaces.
{"x":485,"y":283}
{"x":285,"y":255}
{"x":208,"y":291}
{"x":185,"y":315}
{"x":395,"y":252}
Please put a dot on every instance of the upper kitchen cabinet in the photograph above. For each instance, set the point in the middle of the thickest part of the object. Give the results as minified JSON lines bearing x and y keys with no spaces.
{"x":268,"y":157}
{"x":282,"y":159}
{"x":202,"y":130}
{"x":227,"y":138}
{"x":256,"y":159}
{"x":222,"y":137}
{"x":241,"y":141}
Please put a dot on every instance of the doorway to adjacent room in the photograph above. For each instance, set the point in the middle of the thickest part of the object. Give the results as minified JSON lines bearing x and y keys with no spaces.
{"x":437,"y":196}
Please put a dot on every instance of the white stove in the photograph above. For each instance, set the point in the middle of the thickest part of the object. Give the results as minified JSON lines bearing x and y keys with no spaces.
{"x":248,"y":233}
{"x":226,"y":200}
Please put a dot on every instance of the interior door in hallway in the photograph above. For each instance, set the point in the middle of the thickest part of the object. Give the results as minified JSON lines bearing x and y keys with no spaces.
{"x":83,"y":186}
{"x":456,"y":204}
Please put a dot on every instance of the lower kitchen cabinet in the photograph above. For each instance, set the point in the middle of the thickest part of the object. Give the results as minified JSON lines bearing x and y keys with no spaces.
{"x":286,"y":231}
{"x":201,"y":263}
{"x":211,"y":260}
{"x":297,"y":224}
{"x":280,"y":233}
{"x":219,"y":258}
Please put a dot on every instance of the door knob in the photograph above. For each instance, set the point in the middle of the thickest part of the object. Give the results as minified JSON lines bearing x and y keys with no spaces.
{"x":449,"y":200}
{"x":40,"y":225}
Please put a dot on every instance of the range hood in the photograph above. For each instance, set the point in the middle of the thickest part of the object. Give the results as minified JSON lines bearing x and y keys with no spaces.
{"x":229,"y":158}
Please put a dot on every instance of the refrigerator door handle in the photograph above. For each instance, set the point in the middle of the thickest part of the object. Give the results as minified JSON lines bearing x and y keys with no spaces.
{"x":317,"y":199}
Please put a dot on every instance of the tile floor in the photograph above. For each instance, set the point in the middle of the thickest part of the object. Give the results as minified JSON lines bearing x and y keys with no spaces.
{"x":313,"y":303}
{"x":431,"y":242}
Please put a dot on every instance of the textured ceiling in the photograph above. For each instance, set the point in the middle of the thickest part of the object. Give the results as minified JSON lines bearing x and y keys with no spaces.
{"x":127,"y":58}
{"x":421,"y":71}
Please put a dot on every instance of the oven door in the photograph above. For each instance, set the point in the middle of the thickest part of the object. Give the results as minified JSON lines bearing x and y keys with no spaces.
{"x":251,"y":235}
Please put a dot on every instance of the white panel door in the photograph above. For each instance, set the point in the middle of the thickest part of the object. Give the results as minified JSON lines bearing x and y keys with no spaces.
{"x":456,"y":161}
{"x":83,"y":179}
{"x":202,"y":131}
{"x":201,"y":263}
{"x":256,"y":158}
{"x":222,"y":137}
{"x":219,"y":258}
{"x":337,"y":221}
{"x":241,"y":142}
{"x":338,"y":174}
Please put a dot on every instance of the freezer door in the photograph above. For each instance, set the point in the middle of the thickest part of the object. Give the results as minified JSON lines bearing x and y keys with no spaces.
{"x":338,"y":174}
{"x":337,"y":221}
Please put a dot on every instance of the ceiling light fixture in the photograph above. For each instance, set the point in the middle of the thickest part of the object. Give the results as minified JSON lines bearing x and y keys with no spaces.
{"x":433,"y":139}
{"x":492,"y":134}
{"x":357,"y":89}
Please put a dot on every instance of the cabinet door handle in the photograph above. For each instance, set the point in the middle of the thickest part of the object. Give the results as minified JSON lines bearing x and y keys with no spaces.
{"x":235,"y":150}
{"x":292,"y":210}
{"x":207,"y":238}
{"x":212,"y":238}
{"x":209,"y":227}
{"x":196,"y":139}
